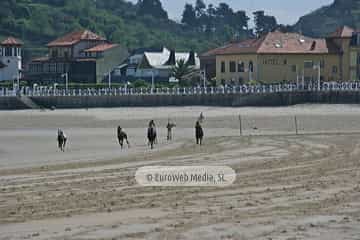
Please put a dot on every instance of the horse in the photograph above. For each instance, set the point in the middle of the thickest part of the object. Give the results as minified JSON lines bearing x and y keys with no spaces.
{"x":199,"y":133}
{"x":61,"y":138}
{"x":121,"y":137}
{"x":151,"y":134}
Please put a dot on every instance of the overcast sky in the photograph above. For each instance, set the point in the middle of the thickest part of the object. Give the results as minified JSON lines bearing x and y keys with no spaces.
{"x":285,"y":11}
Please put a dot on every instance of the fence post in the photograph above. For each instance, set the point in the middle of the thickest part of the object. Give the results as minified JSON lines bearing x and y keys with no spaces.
{"x":240,"y":122}
{"x":296,"y":126}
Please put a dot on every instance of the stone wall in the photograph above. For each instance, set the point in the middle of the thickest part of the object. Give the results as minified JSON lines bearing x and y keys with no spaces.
{"x":229,"y":100}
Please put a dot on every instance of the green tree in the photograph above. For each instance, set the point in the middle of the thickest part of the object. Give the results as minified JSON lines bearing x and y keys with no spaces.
{"x":189,"y":16}
{"x":264,"y":23}
{"x":180,"y":70}
{"x":151,"y":7}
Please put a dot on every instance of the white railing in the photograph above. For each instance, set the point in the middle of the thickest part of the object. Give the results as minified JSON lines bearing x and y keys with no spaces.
{"x":243,"y":89}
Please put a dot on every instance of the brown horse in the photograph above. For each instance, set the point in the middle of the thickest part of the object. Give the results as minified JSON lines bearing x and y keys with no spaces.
{"x":152,"y":136}
{"x":199,"y":133}
{"x":61,"y":138}
{"x":122,"y":136}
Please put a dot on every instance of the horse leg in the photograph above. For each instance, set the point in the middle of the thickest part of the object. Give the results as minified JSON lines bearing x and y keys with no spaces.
{"x":64,"y":145}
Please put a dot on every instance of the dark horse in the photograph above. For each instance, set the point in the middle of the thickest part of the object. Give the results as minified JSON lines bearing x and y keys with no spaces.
{"x":61,"y":138}
{"x":122,"y":136}
{"x":199,"y":133}
{"x":151,"y":134}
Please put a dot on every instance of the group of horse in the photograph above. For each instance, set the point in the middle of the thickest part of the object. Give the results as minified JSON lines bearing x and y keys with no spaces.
{"x":151,"y":134}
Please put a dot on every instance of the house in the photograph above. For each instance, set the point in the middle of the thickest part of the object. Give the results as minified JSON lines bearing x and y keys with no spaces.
{"x":10,"y":59}
{"x":158,"y":64}
{"x":85,"y":56}
{"x":288,"y":57}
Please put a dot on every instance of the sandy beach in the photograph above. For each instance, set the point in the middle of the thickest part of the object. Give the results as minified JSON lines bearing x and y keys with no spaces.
{"x":288,"y":186}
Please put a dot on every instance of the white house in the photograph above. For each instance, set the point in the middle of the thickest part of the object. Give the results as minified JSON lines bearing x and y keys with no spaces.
{"x":158,"y":64}
{"x":10,"y":59}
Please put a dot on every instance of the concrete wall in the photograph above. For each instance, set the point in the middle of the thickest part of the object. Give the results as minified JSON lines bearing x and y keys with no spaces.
{"x":229,"y":100}
{"x":11,"y":103}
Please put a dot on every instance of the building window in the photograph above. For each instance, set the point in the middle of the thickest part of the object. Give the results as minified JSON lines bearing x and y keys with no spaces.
{"x":322,"y":64}
{"x":232,"y":66}
{"x":60,"y":68}
{"x":66,"y":54}
{"x":55,"y":53}
{"x":222,"y":67}
{"x":52,"y":67}
{"x":293,"y":68}
{"x":285,"y":61}
{"x":251,"y":66}
{"x":15,"y":52}
{"x":334,"y":69}
{"x":8,"y":52}
{"x":46,"y":67}
{"x":308,"y":64}
{"x":241,"y":67}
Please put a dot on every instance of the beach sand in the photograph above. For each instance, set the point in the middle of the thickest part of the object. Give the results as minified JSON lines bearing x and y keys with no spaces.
{"x":288,"y":186}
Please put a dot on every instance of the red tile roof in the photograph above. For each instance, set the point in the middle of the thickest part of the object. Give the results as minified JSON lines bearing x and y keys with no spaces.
{"x":10,"y":41}
{"x":294,"y":43}
{"x":277,"y":43}
{"x":101,"y":47}
{"x":75,"y":37}
{"x":342,"y":32}
{"x":247,"y":46}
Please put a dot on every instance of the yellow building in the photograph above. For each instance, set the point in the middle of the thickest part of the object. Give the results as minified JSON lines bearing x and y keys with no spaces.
{"x":289,"y":57}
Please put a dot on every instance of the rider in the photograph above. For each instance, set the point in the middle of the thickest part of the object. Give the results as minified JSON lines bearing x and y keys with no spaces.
{"x":152,"y":124}
{"x":169,"y":127}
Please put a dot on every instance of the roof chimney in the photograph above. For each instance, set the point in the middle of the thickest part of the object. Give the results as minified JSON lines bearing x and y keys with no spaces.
{"x":172,"y":60}
{"x":191,"y":60}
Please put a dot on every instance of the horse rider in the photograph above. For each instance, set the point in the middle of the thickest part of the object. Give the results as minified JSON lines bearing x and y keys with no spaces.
{"x":201,"y":118}
{"x":152,"y":124}
{"x":169,"y":127}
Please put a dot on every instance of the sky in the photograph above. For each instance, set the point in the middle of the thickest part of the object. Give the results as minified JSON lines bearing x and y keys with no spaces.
{"x":285,"y":11}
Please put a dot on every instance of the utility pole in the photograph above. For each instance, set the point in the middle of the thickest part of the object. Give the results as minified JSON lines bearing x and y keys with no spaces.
{"x":152,"y":81}
{"x":319,"y":76}
{"x":109,"y":78}
{"x":66,"y":75}
{"x":297,"y":77}
{"x":204,"y":78}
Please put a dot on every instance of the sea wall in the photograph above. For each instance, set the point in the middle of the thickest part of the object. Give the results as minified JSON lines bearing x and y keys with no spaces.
{"x":228,"y":100}
{"x":11,"y":103}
